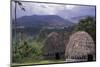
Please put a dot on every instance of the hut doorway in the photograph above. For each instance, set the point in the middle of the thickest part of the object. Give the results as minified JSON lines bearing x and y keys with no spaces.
{"x":90,"y":57}
{"x":57,"y":56}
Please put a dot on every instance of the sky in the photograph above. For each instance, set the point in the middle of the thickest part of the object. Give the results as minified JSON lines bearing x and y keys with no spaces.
{"x":65,"y":11}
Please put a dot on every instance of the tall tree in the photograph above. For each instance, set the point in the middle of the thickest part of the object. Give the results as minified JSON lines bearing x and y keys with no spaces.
{"x":89,"y":25}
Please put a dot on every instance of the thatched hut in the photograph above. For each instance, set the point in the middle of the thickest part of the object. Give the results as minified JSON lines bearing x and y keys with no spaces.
{"x":81,"y":47}
{"x":54,"y":47}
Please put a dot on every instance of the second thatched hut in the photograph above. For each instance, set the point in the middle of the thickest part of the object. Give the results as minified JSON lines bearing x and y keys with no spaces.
{"x":54,"y":48}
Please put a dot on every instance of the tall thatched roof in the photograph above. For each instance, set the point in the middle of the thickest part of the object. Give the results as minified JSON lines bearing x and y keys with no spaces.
{"x":53,"y":43}
{"x":80,"y":43}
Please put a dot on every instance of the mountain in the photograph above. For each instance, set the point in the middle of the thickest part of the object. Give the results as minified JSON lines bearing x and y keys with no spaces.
{"x":42,"y":20}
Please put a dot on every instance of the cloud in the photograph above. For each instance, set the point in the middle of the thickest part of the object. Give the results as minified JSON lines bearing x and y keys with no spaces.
{"x":77,"y":10}
{"x":65,"y":11}
{"x":70,"y":7}
{"x":44,"y":9}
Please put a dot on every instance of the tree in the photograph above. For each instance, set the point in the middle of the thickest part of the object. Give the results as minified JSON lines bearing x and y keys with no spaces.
{"x":87,"y":24}
{"x":22,"y":8}
{"x":17,"y":55}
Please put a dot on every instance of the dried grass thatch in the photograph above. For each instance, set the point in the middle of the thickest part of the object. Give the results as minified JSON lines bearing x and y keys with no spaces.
{"x":80,"y":46}
{"x":53,"y":45}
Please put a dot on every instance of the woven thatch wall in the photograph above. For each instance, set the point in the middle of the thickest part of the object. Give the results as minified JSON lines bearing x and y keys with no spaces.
{"x":53,"y":45}
{"x":80,"y":46}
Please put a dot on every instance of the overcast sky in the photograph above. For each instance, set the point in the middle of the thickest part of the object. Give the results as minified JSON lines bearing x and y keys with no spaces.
{"x":65,"y":11}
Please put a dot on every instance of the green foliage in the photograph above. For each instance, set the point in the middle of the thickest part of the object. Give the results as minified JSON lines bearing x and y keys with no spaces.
{"x":26,"y":49}
{"x":30,"y":49}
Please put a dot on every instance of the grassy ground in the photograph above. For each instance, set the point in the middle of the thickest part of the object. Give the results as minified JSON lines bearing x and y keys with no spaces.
{"x":38,"y":62}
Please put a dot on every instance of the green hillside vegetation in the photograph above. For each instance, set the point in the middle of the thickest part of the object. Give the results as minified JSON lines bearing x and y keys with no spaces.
{"x":29,"y":50}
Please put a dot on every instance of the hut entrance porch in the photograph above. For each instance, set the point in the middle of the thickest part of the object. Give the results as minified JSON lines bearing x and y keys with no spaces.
{"x":57,"y":56}
{"x":90,"y":57}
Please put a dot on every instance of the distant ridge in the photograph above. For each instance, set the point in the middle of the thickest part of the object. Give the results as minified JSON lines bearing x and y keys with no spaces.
{"x":42,"y":20}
